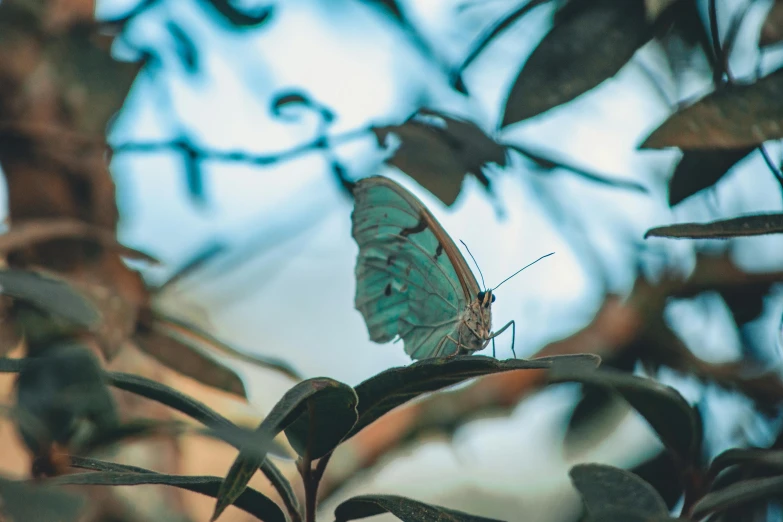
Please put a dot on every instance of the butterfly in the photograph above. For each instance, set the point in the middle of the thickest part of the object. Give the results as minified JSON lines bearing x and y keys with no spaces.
{"x":412,"y":282}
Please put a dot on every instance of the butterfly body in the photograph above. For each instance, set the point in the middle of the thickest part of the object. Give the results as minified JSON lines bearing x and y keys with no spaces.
{"x":412,"y":281}
{"x":475,"y":326}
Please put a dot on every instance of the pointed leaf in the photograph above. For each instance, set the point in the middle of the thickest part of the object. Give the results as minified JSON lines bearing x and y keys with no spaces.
{"x":438,"y":150}
{"x":738,"y":494}
{"x":395,"y":386}
{"x":27,"y":502}
{"x":200,"y":340}
{"x":700,"y":169}
{"x":661,"y":406}
{"x":607,"y":489}
{"x":750,"y":225}
{"x":733,"y":117}
{"x":50,"y":294}
{"x":297,"y":402}
{"x":589,"y":43}
{"x":155,"y":340}
{"x":405,"y":509}
{"x":112,"y":474}
{"x":763,"y":457}
{"x":328,"y":416}
{"x":595,"y":417}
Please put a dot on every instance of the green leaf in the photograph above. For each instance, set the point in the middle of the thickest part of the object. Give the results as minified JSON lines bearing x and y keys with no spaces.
{"x":733,"y":117}
{"x":174,"y":399}
{"x":738,"y":494}
{"x":328,"y":416}
{"x":179,"y":353}
{"x":62,"y":398}
{"x":302,"y":400}
{"x":50,"y":294}
{"x":27,"y":502}
{"x":111,"y":474}
{"x":201,"y":339}
{"x":661,"y":406}
{"x":607,"y":489}
{"x":405,"y":509}
{"x":383,"y":392}
{"x":750,"y":225}
{"x":589,"y":43}
{"x":700,"y":169}
{"x":438,"y":150}
{"x":767,"y":458}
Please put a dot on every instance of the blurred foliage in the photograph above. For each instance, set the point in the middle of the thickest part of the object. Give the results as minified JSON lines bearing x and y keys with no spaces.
{"x":73,"y":304}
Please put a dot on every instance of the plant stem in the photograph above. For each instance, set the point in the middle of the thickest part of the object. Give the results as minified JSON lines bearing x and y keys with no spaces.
{"x":306,"y":469}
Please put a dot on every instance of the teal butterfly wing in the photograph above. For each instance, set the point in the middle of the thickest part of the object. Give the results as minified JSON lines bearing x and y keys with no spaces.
{"x":411,"y":280}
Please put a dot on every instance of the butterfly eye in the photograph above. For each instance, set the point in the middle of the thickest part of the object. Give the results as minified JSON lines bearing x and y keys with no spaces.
{"x":482,"y":297}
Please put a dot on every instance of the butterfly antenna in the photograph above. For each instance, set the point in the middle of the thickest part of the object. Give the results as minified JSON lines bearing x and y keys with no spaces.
{"x":518,"y":271}
{"x":483,"y":284}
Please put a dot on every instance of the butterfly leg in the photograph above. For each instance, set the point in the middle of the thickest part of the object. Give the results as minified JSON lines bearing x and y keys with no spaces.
{"x":513,"y":326}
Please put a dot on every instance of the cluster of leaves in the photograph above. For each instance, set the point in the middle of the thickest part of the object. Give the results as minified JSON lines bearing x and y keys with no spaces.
{"x":65,"y":412}
{"x":589,"y":43}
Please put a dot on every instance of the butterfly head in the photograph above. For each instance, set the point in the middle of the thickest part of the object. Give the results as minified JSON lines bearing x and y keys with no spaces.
{"x":486,"y":298}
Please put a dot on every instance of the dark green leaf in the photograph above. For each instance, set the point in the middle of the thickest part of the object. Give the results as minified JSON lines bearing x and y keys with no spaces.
{"x":111,"y":474}
{"x":200,"y":340}
{"x":606,"y":488}
{"x":738,"y":494}
{"x":62,"y":398}
{"x":406,"y":509}
{"x":700,"y":169}
{"x":750,"y":225}
{"x":50,"y":294}
{"x":193,"y":408}
{"x":733,"y":117}
{"x":25,"y":502}
{"x":662,"y":407}
{"x":590,"y":42}
{"x":144,"y":428}
{"x":595,"y":417}
{"x":662,"y":473}
{"x":756,"y":456}
{"x":395,"y":386}
{"x":439,"y":155}
{"x":625,"y":515}
{"x":242,"y":18}
{"x":179,"y":353}
{"x":287,"y":412}
{"x":328,"y":416}
{"x":170,"y":397}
